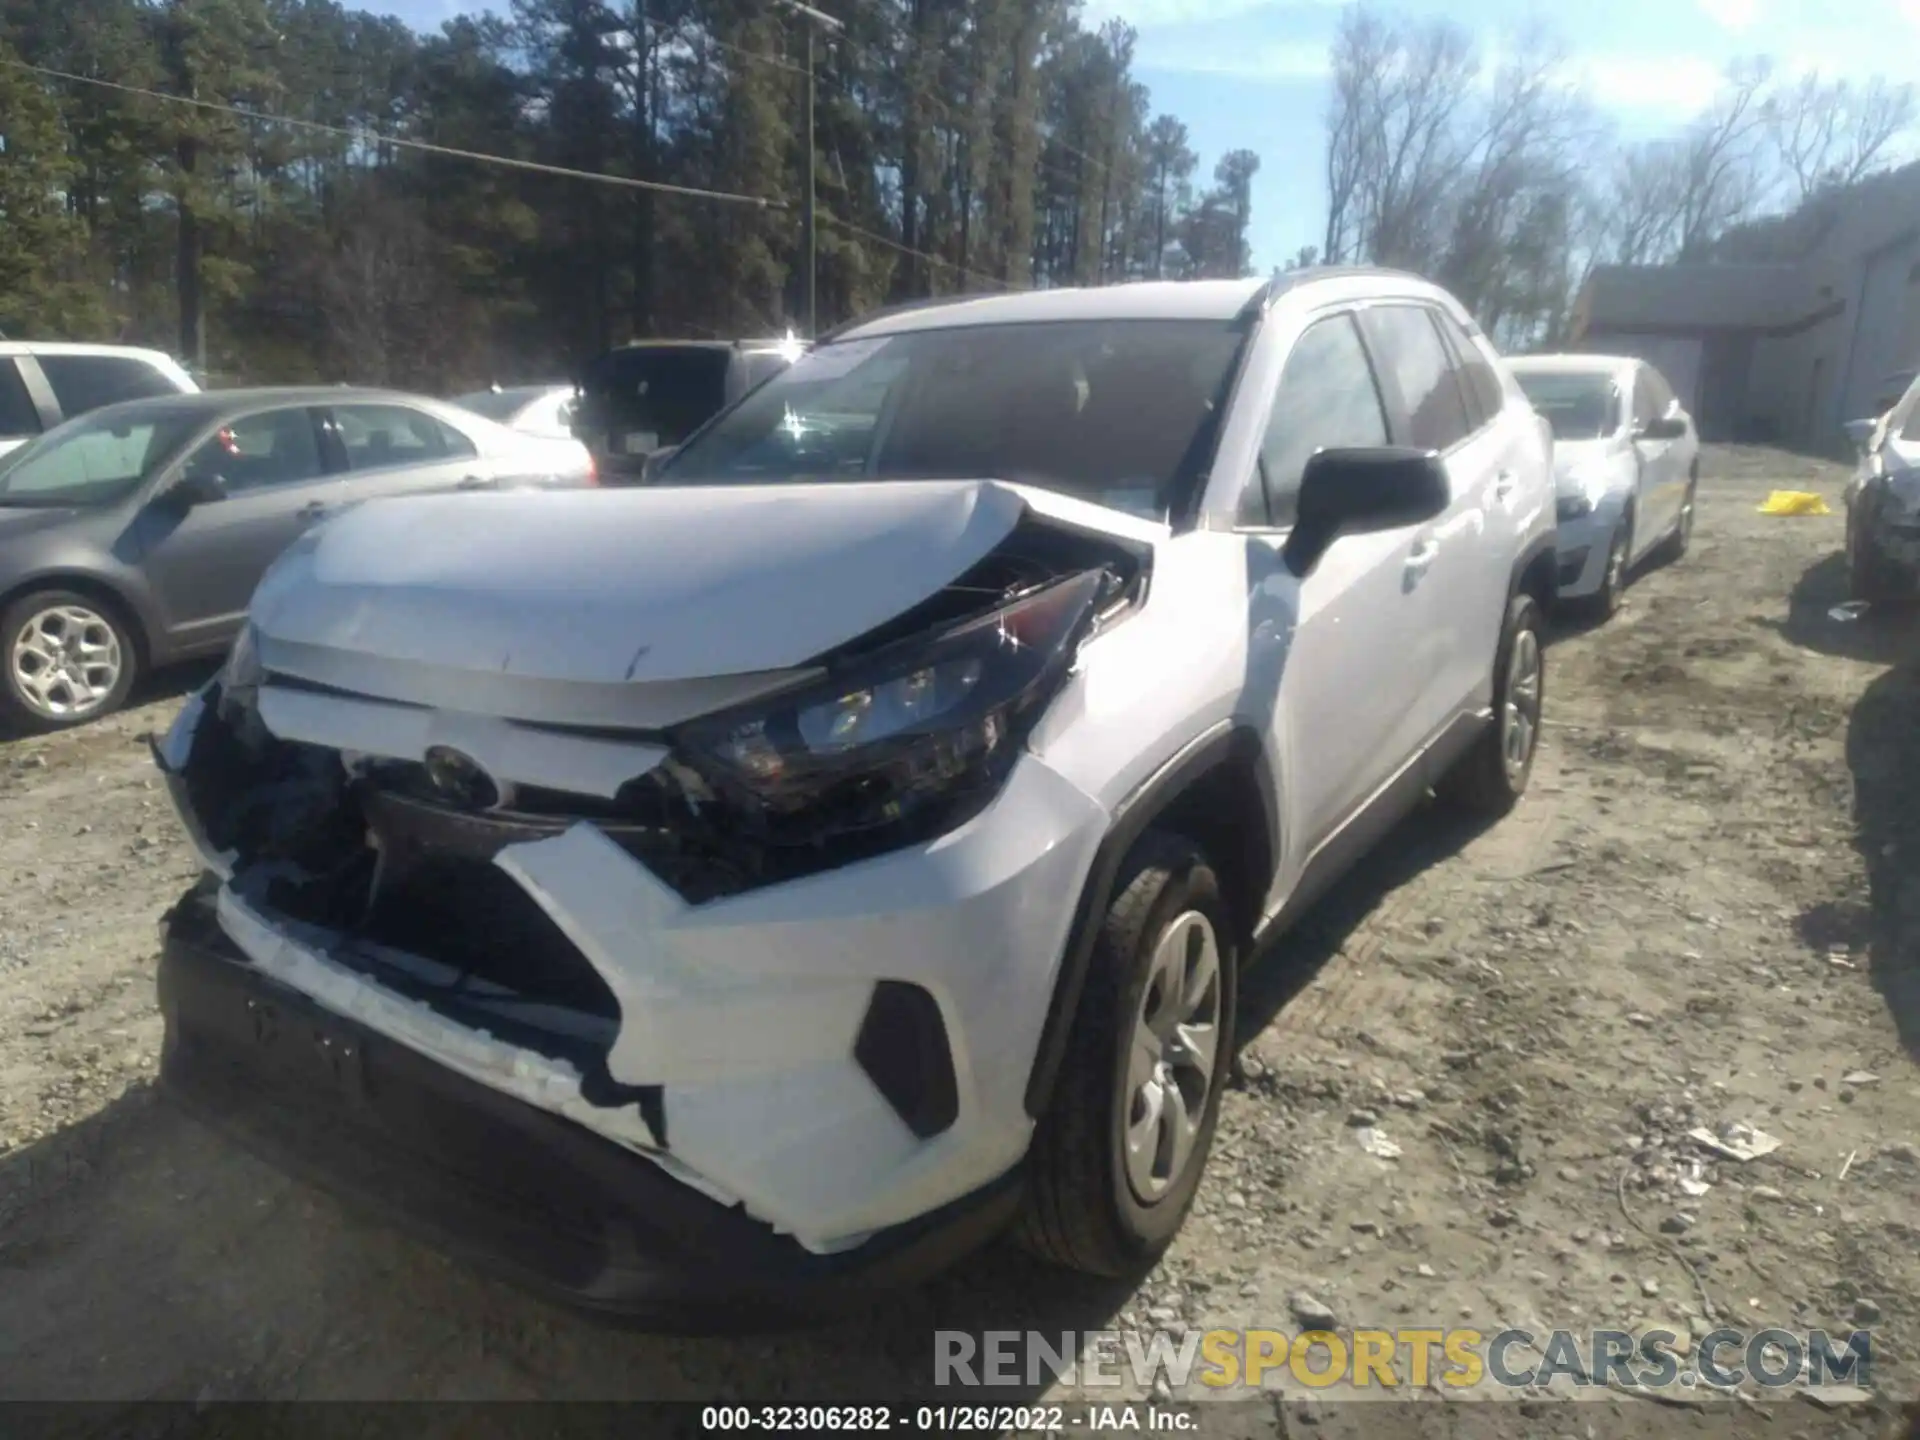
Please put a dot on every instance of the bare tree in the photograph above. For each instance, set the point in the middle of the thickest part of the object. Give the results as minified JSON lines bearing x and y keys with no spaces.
{"x":1834,"y":133}
{"x":1724,"y":160}
{"x":1432,"y":169}
{"x":1646,"y":193}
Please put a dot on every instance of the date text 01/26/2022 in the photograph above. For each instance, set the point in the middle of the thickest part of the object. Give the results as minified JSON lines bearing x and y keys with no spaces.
{"x":939,"y":1419}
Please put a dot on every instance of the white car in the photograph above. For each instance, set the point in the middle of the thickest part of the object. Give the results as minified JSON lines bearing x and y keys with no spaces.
{"x":784,"y":876}
{"x":43,"y":383}
{"x":1626,"y":462}
{"x":1883,"y":503}
{"x":543,"y":410}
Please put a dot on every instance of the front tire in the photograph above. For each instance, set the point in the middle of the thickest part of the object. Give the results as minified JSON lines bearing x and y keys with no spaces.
{"x":1612,"y":593}
{"x":1491,"y":777}
{"x":1119,"y":1154}
{"x":70,"y":658}
{"x":1683,"y":527}
{"x":1868,"y":582}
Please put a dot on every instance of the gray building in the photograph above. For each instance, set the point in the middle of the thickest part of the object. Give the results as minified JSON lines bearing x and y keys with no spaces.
{"x":1784,"y":352}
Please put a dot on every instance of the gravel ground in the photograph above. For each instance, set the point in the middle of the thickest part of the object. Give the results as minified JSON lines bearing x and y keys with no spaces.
{"x":1707,"y":911}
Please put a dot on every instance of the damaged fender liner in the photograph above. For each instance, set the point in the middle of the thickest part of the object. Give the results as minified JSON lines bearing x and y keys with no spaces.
{"x":512,"y":1188}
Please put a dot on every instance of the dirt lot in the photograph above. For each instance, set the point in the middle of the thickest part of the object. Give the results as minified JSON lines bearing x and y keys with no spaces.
{"x":1708,"y":910}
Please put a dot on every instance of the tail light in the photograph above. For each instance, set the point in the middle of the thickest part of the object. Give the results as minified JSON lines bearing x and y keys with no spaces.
{"x":593,"y":470}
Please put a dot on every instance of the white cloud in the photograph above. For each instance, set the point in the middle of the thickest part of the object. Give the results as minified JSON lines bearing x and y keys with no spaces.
{"x":1731,"y":14}
{"x":1663,"y":84}
{"x":1156,"y":14}
{"x":1271,"y":60}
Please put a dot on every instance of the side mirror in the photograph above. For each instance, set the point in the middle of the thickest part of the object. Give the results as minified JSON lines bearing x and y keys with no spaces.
{"x":1667,"y":427}
{"x":1354,"y":491}
{"x":196,"y":487}
{"x":1860,"y":432}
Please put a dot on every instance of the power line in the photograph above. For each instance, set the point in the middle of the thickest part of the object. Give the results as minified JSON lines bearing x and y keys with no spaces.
{"x":879,"y":239}
{"x":365,"y":134}
{"x":695,"y":40}
{"x":532,"y":166}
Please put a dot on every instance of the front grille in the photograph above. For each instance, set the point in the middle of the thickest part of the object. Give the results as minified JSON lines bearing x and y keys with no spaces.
{"x":647,"y":819}
{"x":472,"y":915}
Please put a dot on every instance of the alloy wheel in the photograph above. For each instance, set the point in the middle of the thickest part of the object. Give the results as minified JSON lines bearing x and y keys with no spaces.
{"x":1520,"y":716}
{"x":1170,"y":1064}
{"x":66,"y":661}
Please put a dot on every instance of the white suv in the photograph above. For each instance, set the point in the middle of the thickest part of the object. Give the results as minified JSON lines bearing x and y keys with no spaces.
{"x":785,"y":875}
{"x":42,"y":384}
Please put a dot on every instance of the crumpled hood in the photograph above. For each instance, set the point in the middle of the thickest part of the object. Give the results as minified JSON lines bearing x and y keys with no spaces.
{"x":596,"y":588}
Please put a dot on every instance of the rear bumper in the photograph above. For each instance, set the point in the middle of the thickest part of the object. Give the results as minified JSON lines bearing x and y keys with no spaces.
{"x":513,"y":1188}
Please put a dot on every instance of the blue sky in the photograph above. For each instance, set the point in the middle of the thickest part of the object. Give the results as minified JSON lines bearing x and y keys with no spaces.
{"x":1252,"y":73}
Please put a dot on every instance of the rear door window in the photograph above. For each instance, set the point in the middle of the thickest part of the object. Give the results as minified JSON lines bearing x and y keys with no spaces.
{"x":86,"y":382}
{"x":1409,"y":347}
{"x":1485,"y":394}
{"x":376,"y":437}
{"x":18,"y":418}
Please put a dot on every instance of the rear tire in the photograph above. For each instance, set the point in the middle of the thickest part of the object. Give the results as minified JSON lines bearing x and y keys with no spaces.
{"x":1491,"y":777}
{"x":1096,"y":1202}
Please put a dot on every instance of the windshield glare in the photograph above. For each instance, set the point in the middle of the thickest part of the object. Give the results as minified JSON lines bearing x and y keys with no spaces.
{"x":96,"y":459}
{"x":1118,"y":412}
{"x":1577,"y":406}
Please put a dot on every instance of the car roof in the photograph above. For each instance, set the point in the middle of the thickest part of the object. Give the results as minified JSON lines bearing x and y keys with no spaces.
{"x":1572,"y":364}
{"x":214,"y":402}
{"x":70,"y":347}
{"x":1134,"y":300}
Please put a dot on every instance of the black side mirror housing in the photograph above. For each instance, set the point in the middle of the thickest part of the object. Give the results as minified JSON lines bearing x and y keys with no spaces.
{"x":196,"y":487}
{"x":1344,"y":492}
{"x":1667,"y":427}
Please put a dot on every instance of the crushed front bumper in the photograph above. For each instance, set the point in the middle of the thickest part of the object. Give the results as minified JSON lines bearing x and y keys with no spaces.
{"x":515,"y":1188}
{"x":835,"y":1056}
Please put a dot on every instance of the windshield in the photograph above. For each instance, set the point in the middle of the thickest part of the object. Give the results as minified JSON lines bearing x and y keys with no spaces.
{"x":654,"y":396}
{"x":96,"y":459}
{"x":1118,"y":412}
{"x":1578,"y":406}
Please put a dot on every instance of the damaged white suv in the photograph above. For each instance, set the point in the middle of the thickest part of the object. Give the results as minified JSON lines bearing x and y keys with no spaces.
{"x":780,"y":878}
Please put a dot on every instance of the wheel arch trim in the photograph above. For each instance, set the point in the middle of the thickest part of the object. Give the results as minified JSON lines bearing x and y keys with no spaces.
{"x":1227,"y":743}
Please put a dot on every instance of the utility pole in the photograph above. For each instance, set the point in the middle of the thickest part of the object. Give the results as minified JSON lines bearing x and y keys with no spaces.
{"x":809,"y":262}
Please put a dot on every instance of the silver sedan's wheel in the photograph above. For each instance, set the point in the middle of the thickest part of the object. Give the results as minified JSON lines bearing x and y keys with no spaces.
{"x":1170,"y":1070}
{"x":68,"y":659}
{"x":1520,"y":714}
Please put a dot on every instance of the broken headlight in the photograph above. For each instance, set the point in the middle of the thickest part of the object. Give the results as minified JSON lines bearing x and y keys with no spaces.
{"x":243,"y":671}
{"x":912,"y":733}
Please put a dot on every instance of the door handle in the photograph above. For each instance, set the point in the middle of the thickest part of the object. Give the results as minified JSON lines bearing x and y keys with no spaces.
{"x":1422,"y":556}
{"x":1503,"y":484}
{"x":314,"y":509}
{"x":473,"y":482}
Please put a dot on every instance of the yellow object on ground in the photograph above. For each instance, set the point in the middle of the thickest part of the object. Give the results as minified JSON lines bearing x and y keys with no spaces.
{"x":1794,"y":502}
